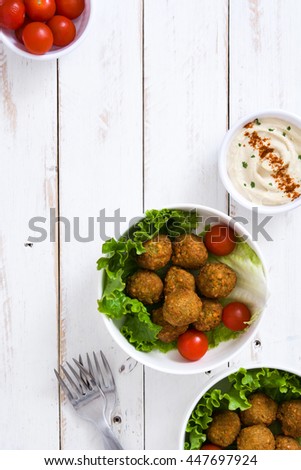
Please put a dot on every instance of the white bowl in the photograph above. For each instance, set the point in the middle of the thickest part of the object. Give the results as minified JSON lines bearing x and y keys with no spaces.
{"x":223,"y":155}
{"x":172,"y":362}
{"x":219,"y":383}
{"x":82,"y":24}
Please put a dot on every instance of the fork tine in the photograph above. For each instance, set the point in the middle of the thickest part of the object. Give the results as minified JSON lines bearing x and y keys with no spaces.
{"x":64,"y":386}
{"x":107,"y":368}
{"x":90,"y":365}
{"x":102,"y":383}
{"x":71,"y":381}
{"x":88,"y":376}
{"x":81,"y":382}
{"x":80,"y":360}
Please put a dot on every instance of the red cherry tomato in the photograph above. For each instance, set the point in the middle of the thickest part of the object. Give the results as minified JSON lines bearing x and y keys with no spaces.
{"x":12,"y":14}
{"x":192,"y":345}
{"x":70,"y":8}
{"x":235,"y":315}
{"x":40,"y":10}
{"x":63,"y":30}
{"x":210,"y":447}
{"x":37,"y":37}
{"x":220,"y":240}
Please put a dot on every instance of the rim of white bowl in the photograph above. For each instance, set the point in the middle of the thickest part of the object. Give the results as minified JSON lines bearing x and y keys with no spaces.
{"x":220,"y":376}
{"x":56,"y":53}
{"x":222,"y":161}
{"x":187,"y":368}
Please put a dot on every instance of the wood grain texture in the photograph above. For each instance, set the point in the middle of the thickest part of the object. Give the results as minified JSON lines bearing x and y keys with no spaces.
{"x":185,"y":98}
{"x":28,"y":293}
{"x":100,"y":167}
{"x":265,"y":69}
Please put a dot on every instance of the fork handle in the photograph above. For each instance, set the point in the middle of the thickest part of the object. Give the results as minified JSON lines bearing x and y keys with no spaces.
{"x":110,"y":440}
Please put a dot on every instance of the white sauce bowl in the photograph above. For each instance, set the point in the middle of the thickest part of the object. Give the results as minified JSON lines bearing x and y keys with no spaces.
{"x":223,"y":157}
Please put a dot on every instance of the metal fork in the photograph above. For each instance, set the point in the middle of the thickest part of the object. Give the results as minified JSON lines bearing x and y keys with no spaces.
{"x":104,"y":378}
{"x":88,"y":400}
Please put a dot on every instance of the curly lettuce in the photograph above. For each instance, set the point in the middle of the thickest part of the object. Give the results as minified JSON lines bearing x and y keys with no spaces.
{"x":278,"y":384}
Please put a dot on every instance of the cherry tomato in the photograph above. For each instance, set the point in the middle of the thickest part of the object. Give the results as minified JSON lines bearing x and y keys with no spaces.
{"x":40,"y":10}
{"x":220,"y":240}
{"x":63,"y":30}
{"x":210,"y":447}
{"x":192,"y":345}
{"x":37,"y":37}
{"x":235,"y":315}
{"x":12,"y":14}
{"x":70,"y":8}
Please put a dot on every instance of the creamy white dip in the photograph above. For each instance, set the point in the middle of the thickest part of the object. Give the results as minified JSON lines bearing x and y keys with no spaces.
{"x":264,"y":161}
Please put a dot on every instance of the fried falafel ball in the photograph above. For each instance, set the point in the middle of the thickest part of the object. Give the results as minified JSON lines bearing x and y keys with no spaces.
{"x":182,"y":307}
{"x":263,"y":410}
{"x":169,"y":333}
{"x":289,"y":415}
{"x":189,"y":251}
{"x":256,"y":437}
{"x":224,"y":428}
{"x":145,"y":286}
{"x":211,"y":315}
{"x":178,"y":278}
{"x":216,"y":280}
{"x":287,"y":443}
{"x":157,"y":255}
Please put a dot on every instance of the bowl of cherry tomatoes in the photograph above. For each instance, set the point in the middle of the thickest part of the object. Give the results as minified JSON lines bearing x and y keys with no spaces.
{"x":183,"y":289}
{"x":44,"y":29}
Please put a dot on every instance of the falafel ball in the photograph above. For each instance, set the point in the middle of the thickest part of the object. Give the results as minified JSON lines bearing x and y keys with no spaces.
{"x":289,"y":415}
{"x":211,"y":315}
{"x":287,"y":443}
{"x":216,"y":280}
{"x":256,"y":437}
{"x":182,"y":307}
{"x":178,"y":278}
{"x":263,"y":410}
{"x":145,"y":286}
{"x":189,"y":251}
{"x":169,"y":333}
{"x":158,"y":253}
{"x":224,"y":428}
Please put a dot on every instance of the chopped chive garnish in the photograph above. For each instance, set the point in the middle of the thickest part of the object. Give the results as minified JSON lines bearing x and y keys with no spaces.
{"x":239,"y":145}
{"x":245,"y":184}
{"x":284,"y":134}
{"x":252,"y":184}
{"x":270,"y":184}
{"x":271,"y":130}
{"x":288,"y":128}
{"x":252,"y":156}
{"x":244,"y":164}
{"x":299,"y":156}
{"x":257,"y":122}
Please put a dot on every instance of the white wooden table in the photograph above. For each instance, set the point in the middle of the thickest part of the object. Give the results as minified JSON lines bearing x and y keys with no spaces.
{"x":132,"y":119}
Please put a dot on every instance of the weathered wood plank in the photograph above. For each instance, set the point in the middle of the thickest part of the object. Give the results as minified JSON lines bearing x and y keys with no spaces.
{"x":100,"y":167}
{"x":28,"y":275}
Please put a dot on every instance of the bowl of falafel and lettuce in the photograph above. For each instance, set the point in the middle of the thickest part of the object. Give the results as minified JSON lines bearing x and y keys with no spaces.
{"x":183,"y":290}
{"x":256,"y":408}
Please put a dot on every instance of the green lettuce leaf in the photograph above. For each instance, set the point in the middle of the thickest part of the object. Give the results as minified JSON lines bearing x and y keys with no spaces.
{"x":279,"y":385}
